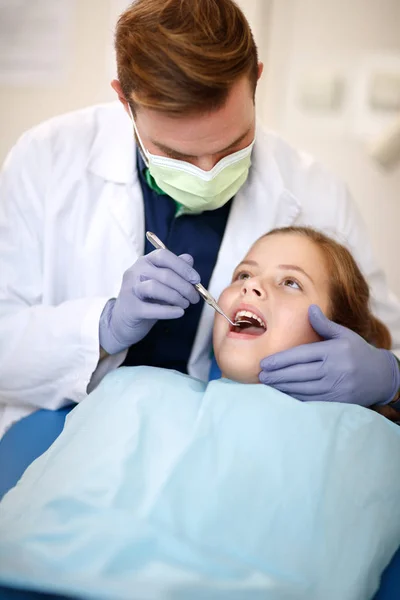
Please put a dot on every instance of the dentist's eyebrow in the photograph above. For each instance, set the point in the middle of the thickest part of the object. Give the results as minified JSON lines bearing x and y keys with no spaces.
{"x":295,"y":268}
{"x":168,"y":150}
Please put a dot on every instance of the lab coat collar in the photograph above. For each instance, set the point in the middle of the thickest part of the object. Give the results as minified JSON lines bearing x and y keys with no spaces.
{"x":112,"y":154}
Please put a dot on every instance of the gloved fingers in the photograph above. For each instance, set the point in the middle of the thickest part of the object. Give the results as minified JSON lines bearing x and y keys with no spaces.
{"x":159,"y":276}
{"x":326,"y":328}
{"x":151,"y":291}
{"x":307,"y":353}
{"x":155,"y":311}
{"x":293,"y":374}
{"x":168,"y":260}
{"x":188,"y":259}
{"x":305,"y":391}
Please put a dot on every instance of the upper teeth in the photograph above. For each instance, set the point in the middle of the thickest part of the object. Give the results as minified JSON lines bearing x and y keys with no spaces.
{"x":246,"y":313}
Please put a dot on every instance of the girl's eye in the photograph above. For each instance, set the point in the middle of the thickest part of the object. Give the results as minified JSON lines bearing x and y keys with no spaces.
{"x":292,"y":283}
{"x":242,"y":275}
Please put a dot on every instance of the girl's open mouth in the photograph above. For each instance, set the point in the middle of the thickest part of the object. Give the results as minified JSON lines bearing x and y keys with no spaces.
{"x":253,"y":325}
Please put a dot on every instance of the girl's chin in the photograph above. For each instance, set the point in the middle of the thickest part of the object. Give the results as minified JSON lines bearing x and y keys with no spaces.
{"x":240,"y":377}
{"x":237,"y":364}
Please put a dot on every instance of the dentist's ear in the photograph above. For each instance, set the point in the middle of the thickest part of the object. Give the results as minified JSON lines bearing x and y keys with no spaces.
{"x":116,"y":86}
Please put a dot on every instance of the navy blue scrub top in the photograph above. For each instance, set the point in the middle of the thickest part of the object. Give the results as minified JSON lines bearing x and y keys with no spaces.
{"x":169,"y":343}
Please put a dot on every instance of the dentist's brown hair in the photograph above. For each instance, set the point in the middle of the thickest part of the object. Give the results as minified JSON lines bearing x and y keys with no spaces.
{"x":349,"y":291}
{"x":183,"y":56}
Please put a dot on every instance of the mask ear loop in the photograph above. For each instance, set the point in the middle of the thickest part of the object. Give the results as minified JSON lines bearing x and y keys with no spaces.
{"x":142,"y":149}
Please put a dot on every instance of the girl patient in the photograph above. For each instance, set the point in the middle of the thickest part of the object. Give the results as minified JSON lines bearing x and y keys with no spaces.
{"x":284,"y":273}
{"x":162,"y":486}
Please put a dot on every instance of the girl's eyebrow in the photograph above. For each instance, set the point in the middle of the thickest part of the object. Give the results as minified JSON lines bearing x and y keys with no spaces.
{"x":296,"y":268}
{"x":253,"y":263}
{"x":249,"y":262}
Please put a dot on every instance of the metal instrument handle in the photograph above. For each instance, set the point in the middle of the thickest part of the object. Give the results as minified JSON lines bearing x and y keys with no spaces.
{"x":205,"y":294}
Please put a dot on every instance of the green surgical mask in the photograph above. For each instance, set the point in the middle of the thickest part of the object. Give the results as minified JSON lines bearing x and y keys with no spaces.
{"x":193,"y":188}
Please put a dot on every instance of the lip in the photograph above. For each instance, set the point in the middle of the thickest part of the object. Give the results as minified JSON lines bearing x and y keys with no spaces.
{"x":250,"y":308}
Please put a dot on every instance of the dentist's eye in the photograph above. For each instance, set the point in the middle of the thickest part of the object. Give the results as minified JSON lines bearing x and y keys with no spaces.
{"x":292,"y":283}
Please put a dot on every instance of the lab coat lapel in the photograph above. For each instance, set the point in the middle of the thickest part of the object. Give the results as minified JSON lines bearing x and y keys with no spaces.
{"x":125,"y":204}
{"x":113,"y":158}
{"x":261,"y":205}
{"x":126,"y":208}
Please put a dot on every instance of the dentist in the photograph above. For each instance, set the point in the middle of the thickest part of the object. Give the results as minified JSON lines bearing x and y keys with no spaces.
{"x":180,"y":154}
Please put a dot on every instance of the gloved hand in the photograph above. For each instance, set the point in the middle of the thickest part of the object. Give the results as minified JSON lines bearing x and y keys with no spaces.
{"x":157,"y":286}
{"x":342,"y":368}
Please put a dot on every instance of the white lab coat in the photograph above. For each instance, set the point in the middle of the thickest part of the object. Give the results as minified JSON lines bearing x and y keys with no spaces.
{"x":72,"y":221}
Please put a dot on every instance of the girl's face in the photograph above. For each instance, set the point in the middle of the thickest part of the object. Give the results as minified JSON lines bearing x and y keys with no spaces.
{"x":281,"y":276}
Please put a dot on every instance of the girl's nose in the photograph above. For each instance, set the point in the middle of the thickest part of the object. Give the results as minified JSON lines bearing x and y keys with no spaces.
{"x":252,"y":287}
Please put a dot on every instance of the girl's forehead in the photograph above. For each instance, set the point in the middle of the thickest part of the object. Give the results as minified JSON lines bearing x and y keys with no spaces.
{"x":281,"y":245}
{"x":278,"y":249}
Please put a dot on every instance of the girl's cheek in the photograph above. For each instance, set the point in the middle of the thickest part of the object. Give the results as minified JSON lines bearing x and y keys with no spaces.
{"x":226,"y":298}
{"x":309,"y":333}
{"x":293,"y":312}
{"x":295,"y":323}
{"x":313,"y":335}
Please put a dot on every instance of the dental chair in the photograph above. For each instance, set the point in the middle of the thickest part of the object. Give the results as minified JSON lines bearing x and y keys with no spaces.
{"x":32,"y":436}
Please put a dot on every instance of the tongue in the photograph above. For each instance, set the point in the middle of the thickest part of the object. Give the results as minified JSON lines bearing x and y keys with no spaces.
{"x":250,"y":330}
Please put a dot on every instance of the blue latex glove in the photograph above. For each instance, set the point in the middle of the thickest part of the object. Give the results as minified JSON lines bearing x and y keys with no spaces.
{"x":158,"y":286}
{"x":342,"y":368}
